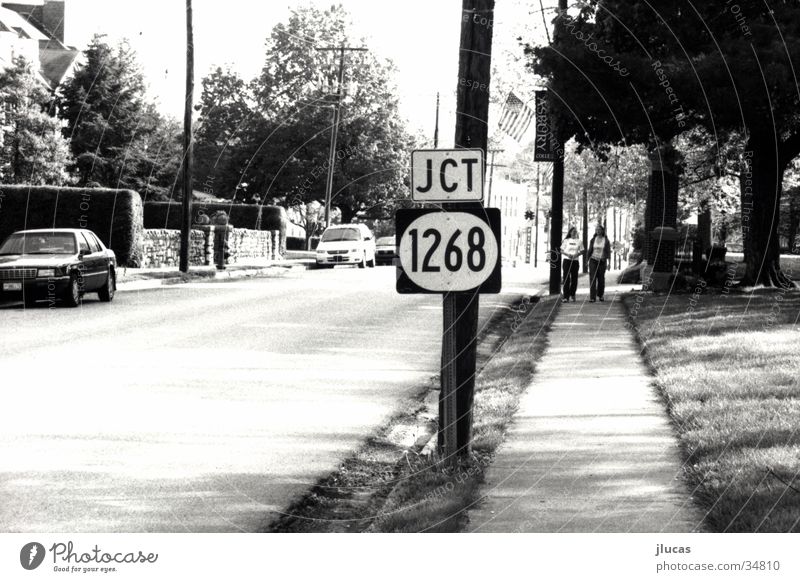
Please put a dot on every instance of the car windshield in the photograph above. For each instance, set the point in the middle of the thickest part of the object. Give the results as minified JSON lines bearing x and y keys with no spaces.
{"x":39,"y":243}
{"x":339,"y":234}
{"x":385,"y":241}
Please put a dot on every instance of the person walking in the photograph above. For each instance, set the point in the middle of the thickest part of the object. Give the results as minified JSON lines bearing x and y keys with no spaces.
{"x":599,"y":252}
{"x":571,"y":249}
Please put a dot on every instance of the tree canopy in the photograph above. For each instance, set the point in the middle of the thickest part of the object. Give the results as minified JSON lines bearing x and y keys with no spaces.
{"x":272,"y":136}
{"x":33,"y":150}
{"x":118,"y":138}
{"x":638,"y":72}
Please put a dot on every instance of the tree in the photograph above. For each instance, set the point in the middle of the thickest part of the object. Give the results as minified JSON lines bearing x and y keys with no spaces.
{"x":33,"y":149}
{"x":105,"y":112}
{"x":152,"y":163}
{"x":635,"y":73}
{"x":292,"y":94}
{"x":226,"y":131}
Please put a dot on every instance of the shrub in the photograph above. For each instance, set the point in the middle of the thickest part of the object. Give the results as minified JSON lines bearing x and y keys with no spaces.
{"x":113,"y":215}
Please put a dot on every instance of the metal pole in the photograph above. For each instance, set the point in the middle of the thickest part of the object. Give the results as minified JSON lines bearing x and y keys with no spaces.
{"x":491,"y":175}
{"x":557,"y":211}
{"x":536,"y":222}
{"x":436,"y":128}
{"x":585,"y":230}
{"x":186,"y":217}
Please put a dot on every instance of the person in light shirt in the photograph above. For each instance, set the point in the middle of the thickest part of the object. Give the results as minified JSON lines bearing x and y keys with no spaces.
{"x":599,"y":252}
{"x":571,"y":249}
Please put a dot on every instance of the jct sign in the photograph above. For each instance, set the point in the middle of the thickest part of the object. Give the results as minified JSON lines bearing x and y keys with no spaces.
{"x":447,"y":175}
{"x":443,"y":251}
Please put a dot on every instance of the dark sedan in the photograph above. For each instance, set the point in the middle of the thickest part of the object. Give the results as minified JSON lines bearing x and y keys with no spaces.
{"x":56,"y":264}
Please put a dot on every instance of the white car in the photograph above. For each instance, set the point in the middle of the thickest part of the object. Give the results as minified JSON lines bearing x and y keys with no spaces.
{"x":346,"y":244}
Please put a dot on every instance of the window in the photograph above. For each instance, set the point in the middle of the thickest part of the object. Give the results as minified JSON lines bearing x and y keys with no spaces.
{"x":82,"y":243}
{"x":94,"y":244}
{"x":341,"y":234}
{"x":39,"y":243}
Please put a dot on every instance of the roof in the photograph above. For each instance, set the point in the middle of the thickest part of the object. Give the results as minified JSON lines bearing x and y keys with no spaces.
{"x":55,"y":63}
{"x":52,"y":230}
{"x":14,"y":21}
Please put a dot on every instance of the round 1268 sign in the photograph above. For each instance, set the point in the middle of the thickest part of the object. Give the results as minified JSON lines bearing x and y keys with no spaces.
{"x":442,"y":251}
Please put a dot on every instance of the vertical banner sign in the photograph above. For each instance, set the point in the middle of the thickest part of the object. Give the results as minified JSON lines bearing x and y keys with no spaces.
{"x":528,"y":243}
{"x":544,"y":144}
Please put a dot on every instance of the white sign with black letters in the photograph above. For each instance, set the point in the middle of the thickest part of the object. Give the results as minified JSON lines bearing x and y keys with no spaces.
{"x":447,"y":175}
{"x":448,"y":251}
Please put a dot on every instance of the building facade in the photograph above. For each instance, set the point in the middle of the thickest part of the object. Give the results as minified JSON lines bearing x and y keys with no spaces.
{"x":35,"y":30}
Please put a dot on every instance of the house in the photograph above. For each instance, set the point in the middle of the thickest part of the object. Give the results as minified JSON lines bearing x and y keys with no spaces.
{"x":510,"y":197}
{"x":35,"y":29}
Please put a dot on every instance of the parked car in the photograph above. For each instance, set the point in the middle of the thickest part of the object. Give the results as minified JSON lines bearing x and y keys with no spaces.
{"x":385,"y":250}
{"x":56,"y":264}
{"x":346,"y":244}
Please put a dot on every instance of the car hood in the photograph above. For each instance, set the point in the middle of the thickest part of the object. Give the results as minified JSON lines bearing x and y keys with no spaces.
{"x":338,"y":245}
{"x":22,"y":261}
{"x":386,"y":247}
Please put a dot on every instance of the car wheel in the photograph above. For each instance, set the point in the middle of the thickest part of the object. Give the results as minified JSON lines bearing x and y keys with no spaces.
{"x":106,"y":292}
{"x":72,"y":296}
{"x":371,"y":264}
{"x":363,"y":262}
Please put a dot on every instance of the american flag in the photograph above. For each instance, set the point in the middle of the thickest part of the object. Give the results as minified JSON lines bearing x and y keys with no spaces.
{"x":516,"y":117}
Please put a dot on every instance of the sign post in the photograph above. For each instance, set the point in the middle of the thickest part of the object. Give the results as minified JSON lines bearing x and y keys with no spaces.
{"x":460,"y":255}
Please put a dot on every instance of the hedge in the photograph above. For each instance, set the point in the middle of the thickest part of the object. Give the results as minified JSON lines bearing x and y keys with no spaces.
{"x":113,"y":215}
{"x":252,"y":216}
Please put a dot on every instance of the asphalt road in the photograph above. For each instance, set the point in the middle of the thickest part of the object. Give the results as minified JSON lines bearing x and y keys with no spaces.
{"x":203,"y":407}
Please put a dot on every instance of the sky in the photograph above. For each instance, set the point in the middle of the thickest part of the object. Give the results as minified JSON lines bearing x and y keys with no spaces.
{"x":420,"y":36}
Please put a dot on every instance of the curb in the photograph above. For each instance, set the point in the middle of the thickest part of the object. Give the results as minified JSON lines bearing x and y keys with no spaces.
{"x":216,"y":275}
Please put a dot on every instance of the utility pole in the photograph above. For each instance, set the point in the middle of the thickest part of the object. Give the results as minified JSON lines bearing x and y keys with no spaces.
{"x":461,"y":308}
{"x":557,"y":211}
{"x":491,"y":175}
{"x":436,"y":128}
{"x":337,"y":106}
{"x":186,"y":222}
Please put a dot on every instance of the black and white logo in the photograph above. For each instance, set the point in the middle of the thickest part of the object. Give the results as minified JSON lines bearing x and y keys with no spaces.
{"x":31,"y":555}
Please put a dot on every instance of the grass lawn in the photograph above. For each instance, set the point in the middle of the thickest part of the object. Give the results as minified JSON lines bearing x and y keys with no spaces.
{"x":433,"y":498}
{"x":728,"y":367}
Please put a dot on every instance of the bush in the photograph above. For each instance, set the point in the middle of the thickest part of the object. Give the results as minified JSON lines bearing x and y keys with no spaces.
{"x":113,"y":215}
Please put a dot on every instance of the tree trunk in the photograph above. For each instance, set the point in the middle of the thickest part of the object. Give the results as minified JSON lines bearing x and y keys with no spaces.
{"x":348,"y":214}
{"x":761,"y":183}
{"x":704,"y":225}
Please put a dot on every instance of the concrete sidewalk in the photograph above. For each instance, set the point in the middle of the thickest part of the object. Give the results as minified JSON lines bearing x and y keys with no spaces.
{"x":137,"y":279}
{"x":591,"y":448}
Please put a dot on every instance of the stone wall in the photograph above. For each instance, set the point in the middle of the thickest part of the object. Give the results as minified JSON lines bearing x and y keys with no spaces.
{"x":245,"y":244}
{"x":161,"y":247}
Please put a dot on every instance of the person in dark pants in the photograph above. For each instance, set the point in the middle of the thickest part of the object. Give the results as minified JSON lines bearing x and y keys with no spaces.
{"x":599,"y":253}
{"x":571,"y":249}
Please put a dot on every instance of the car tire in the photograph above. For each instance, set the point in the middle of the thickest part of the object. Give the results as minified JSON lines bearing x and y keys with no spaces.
{"x":371,"y":264}
{"x":106,"y":292}
{"x":72,"y":295}
{"x":363,"y":262}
